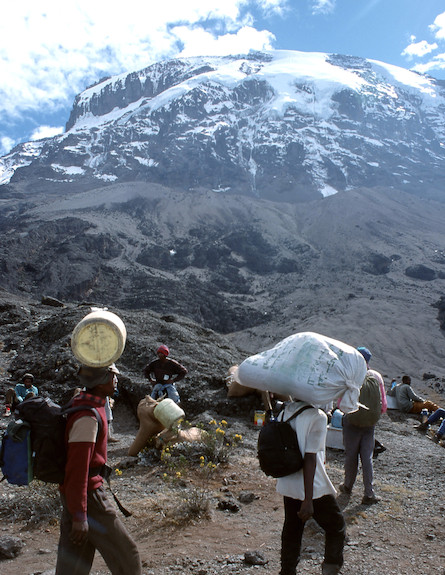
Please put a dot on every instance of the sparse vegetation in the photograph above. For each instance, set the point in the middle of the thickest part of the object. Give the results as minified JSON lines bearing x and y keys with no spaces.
{"x":212,"y":451}
{"x":192,"y":505}
{"x":34,"y":504}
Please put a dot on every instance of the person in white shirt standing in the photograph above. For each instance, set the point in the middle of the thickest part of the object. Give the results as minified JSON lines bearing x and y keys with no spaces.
{"x":310,"y":493}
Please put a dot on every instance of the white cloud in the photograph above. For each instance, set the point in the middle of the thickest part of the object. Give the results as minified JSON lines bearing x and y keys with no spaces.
{"x":6,"y":144}
{"x":46,"y":132}
{"x":270,"y":7}
{"x":48,"y":54}
{"x":199,"y":42}
{"x":438,"y":27}
{"x":421,"y":49}
{"x":323,"y":6}
{"x":437,"y":63}
{"x":418,"y":49}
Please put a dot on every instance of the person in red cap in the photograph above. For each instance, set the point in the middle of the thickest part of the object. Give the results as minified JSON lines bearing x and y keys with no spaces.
{"x":164,"y":373}
{"x":89,"y":520}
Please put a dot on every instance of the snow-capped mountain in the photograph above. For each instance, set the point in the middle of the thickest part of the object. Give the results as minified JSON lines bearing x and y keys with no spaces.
{"x":282,"y":125}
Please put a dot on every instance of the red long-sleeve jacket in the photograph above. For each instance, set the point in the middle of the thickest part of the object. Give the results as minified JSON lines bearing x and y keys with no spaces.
{"x":86,"y":450}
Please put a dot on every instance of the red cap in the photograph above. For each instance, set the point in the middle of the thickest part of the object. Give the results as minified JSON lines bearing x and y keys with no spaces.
{"x":164,"y":350}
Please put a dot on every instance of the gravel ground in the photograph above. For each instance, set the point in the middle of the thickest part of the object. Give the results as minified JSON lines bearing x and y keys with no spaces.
{"x":402,"y":535}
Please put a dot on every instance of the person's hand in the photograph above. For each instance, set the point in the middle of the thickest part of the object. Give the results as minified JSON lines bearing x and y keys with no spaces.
{"x":79,"y":532}
{"x":306,"y":510}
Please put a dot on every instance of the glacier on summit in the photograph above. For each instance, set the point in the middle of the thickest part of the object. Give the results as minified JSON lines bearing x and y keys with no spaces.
{"x":281,"y":125}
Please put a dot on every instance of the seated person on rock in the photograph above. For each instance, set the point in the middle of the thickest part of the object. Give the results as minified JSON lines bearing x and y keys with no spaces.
{"x":165,"y":373}
{"x":22,"y":391}
{"x":407,"y":400}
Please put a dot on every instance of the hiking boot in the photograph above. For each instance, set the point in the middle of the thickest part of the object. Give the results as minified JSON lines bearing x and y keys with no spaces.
{"x":436,"y":438}
{"x":377,"y":450}
{"x":343,"y":489}
{"x":422,"y":427}
{"x":330,"y":568}
{"x":370,"y":500}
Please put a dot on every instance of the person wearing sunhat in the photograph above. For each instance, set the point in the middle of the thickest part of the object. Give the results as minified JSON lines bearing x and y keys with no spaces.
{"x":89,"y":520}
{"x":164,"y":373}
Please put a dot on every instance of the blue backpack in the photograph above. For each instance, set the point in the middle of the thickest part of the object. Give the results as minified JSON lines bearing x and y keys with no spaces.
{"x":16,"y":454}
{"x":33,"y":446}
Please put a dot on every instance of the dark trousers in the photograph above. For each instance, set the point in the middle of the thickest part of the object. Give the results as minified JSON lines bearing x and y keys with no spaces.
{"x":328,"y":515}
{"x":106,"y":533}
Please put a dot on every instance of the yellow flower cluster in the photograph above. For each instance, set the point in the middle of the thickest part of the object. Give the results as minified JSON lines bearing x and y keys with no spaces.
{"x":223,"y":422}
{"x":118,"y":472}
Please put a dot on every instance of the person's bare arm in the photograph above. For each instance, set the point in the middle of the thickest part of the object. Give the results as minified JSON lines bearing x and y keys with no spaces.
{"x":309,"y":465}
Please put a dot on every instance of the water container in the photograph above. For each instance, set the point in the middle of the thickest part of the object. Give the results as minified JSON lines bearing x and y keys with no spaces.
{"x":98,"y":340}
{"x":168,"y":413}
{"x":259,"y":418}
{"x":337,"y":419}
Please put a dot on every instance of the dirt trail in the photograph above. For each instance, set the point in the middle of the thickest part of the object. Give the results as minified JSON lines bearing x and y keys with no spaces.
{"x":401,"y":535}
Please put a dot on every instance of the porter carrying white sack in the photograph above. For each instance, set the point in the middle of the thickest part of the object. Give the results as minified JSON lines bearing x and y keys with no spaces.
{"x":310,"y":367}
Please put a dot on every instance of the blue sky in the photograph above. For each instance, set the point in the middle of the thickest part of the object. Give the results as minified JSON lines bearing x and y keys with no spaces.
{"x":48,"y":55}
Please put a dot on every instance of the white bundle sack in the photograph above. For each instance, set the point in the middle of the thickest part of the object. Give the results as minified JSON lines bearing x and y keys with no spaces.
{"x":310,"y":367}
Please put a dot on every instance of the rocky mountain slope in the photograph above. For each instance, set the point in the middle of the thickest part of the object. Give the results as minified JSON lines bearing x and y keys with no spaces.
{"x":284,"y":125}
{"x":366,"y":267}
{"x":204,"y":188}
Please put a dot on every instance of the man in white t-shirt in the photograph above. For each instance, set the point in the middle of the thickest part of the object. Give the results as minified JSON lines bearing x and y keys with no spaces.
{"x":310,"y":493}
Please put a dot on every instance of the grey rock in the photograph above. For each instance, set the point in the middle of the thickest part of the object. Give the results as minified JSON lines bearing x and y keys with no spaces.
{"x":246,"y":497}
{"x":255,"y":558}
{"x":228,"y":504}
{"x":10,"y":547}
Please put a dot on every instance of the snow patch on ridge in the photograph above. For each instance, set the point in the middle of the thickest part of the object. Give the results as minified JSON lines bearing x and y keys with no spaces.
{"x":328,"y":191}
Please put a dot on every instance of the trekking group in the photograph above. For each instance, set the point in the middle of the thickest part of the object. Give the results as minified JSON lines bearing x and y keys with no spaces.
{"x":90,"y":522}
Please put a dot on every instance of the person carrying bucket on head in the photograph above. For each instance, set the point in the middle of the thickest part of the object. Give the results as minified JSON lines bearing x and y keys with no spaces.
{"x":164,"y":373}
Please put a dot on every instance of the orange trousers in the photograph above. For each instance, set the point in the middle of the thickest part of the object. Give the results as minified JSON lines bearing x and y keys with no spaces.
{"x":419,"y":405}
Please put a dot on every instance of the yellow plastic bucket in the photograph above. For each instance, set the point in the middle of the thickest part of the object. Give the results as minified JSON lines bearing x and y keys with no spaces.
{"x":168,"y":413}
{"x":99,"y":339}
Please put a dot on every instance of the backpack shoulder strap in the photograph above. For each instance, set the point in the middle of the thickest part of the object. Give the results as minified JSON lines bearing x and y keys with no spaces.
{"x":294,"y":415}
{"x":68,"y":409}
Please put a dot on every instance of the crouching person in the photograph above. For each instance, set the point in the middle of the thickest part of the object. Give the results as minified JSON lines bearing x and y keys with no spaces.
{"x":89,"y":519}
{"x":310,"y":493}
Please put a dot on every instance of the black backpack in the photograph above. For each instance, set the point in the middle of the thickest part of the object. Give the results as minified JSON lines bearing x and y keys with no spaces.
{"x":33,"y":446}
{"x":278,"y":451}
